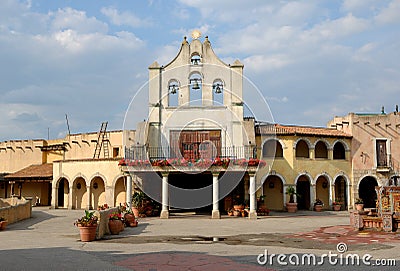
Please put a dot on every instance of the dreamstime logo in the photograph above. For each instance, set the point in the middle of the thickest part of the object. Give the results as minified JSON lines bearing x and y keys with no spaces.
{"x":190,"y":125}
{"x":331,"y":258}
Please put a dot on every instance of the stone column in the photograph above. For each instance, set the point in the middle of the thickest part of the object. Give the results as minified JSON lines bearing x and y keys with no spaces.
{"x":313,"y":196}
{"x":54,"y":197}
{"x":215,"y":211}
{"x":89,"y":198}
{"x":332,"y":194}
{"x":129,"y":190}
{"x":164,"y":197}
{"x":253,"y":201}
{"x":70,"y":200}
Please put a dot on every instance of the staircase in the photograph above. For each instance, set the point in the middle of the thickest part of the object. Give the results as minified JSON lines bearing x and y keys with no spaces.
{"x":102,"y":141}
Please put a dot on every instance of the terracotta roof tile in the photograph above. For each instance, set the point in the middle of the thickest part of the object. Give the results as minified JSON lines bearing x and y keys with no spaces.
{"x":278,"y":129}
{"x":44,"y":171}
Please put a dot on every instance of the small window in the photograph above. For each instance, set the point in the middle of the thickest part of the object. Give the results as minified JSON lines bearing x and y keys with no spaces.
{"x":339,"y":151}
{"x":116,"y":152}
{"x":302,"y":149}
{"x":381,"y":153}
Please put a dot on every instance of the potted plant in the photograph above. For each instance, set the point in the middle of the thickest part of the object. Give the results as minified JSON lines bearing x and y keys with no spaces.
{"x":291,"y":206}
{"x":137,"y":202}
{"x":318,"y":204}
{"x":129,"y":217}
{"x":336,"y":205}
{"x":87,"y":225}
{"x":238,"y":204}
{"x":359,"y":204}
{"x":3,"y":223}
{"x":115,"y":223}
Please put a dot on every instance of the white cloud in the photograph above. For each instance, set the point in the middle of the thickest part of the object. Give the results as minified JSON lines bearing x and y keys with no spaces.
{"x":68,"y":18}
{"x":124,"y":18}
{"x":262,"y":63}
{"x":389,"y":14}
{"x":363,"y":54}
{"x":339,"y":28}
{"x":354,"y":5}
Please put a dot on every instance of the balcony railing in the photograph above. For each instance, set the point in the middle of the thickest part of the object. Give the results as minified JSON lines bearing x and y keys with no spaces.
{"x":158,"y":153}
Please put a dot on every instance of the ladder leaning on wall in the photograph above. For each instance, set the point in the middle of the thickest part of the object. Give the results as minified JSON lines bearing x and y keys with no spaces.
{"x":102,"y":141}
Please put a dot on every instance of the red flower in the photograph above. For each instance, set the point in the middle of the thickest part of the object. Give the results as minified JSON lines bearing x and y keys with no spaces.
{"x":122,"y":162}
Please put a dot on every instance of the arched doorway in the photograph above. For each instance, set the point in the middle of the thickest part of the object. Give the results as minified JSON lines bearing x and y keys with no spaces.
{"x":62,"y":193}
{"x":273,"y":192}
{"x":79,"y":194}
{"x":98,"y":192}
{"x":303,"y":191}
{"x":322,"y":190}
{"x":366,"y":191}
{"x":119,"y":191}
{"x":341,"y":192}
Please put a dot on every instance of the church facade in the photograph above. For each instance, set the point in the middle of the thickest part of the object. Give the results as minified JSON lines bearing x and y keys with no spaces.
{"x":195,"y":151}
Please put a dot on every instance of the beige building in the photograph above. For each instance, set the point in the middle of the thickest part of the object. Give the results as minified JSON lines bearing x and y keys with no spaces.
{"x":375,"y":152}
{"x":78,"y":171}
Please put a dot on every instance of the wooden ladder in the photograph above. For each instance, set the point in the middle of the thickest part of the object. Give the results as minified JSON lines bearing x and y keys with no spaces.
{"x":102,"y":140}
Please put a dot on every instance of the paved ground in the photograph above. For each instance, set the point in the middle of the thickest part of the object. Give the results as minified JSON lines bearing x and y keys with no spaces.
{"x":49,"y":241}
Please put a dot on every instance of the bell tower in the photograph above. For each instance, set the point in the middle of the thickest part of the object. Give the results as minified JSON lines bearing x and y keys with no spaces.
{"x":193,"y":95}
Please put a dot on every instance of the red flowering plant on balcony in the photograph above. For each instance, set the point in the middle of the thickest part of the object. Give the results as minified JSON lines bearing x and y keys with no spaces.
{"x":160,"y":163}
{"x":203,"y":163}
{"x":221,"y":162}
{"x":139,"y":163}
{"x":178,"y":162}
{"x":200,"y":163}
{"x":256,"y":162}
{"x":122,"y":162}
{"x":240,"y":162}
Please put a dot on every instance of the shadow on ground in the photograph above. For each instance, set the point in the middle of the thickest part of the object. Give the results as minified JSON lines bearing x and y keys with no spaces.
{"x":37,"y":217}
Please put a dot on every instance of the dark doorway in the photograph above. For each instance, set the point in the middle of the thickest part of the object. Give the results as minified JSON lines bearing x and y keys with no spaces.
{"x":303,"y":191}
{"x":190,"y":192}
{"x":341,"y":191}
{"x":61,"y":185}
{"x":367,"y":193}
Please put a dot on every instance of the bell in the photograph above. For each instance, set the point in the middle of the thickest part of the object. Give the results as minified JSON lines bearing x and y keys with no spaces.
{"x":173,"y":89}
{"x":195,"y":61}
{"x":218,"y":89}
{"x":195,"y":85}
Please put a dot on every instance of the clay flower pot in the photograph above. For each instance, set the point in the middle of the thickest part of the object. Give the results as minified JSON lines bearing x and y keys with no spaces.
{"x":130,"y":220}
{"x":3,"y":224}
{"x":318,"y":208}
{"x":337,"y":207}
{"x":359,"y":206}
{"x":291,"y":207}
{"x":87,"y":233}
{"x":115,"y":226}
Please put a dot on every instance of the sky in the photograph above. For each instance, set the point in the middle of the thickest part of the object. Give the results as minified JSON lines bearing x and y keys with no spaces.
{"x":311,"y":60}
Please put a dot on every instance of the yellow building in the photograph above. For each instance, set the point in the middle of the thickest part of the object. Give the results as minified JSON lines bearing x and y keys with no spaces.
{"x":315,"y":160}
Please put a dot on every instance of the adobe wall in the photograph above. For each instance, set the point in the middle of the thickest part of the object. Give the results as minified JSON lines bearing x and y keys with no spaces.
{"x":14,"y":210}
